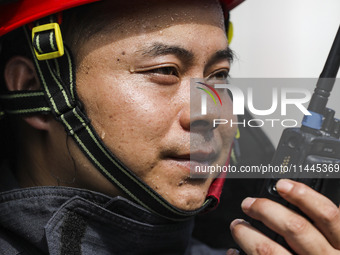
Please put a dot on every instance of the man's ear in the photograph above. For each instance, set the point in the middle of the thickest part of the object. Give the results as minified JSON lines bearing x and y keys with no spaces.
{"x":20,"y":74}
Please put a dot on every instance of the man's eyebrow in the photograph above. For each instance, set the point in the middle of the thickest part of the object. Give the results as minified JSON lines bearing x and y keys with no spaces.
{"x":226,"y":54}
{"x":160,"y":49}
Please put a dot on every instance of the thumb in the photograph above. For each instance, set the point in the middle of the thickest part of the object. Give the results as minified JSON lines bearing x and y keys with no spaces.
{"x":233,"y":252}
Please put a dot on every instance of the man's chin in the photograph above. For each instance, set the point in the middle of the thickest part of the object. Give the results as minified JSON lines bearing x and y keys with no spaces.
{"x":187,"y":200}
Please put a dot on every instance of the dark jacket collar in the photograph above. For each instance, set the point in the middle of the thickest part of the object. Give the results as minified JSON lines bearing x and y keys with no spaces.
{"x":62,"y":220}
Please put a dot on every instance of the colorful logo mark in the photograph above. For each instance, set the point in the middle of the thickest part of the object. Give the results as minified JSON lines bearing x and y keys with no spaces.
{"x":209,"y":93}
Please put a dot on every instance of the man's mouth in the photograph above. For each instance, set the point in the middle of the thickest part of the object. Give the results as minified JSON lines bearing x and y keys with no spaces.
{"x":195,"y":160}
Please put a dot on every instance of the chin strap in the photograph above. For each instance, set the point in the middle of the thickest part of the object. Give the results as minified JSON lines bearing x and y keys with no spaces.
{"x":59,"y":97}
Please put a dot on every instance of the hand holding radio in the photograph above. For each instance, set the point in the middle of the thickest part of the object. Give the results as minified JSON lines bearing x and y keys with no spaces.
{"x":321,"y":235}
{"x":301,"y":216}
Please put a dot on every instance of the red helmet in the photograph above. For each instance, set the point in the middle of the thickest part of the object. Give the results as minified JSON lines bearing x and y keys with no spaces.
{"x":16,"y":13}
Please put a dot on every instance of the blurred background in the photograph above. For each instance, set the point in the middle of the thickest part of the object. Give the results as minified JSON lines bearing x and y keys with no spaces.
{"x":284,"y":39}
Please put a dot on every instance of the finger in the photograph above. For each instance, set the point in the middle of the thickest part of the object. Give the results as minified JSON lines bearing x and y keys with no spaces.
{"x":322,"y":211}
{"x":233,"y":252}
{"x":299,"y":233}
{"x":254,"y":242}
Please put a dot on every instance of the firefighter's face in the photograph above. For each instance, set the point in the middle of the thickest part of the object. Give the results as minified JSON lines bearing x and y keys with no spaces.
{"x":134,"y":81}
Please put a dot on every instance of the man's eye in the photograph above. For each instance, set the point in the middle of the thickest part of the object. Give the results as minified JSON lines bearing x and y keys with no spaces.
{"x":167,"y":70}
{"x":164,"y":75}
{"x":220,"y":75}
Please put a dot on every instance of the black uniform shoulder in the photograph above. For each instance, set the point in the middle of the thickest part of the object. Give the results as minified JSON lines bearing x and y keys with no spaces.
{"x":11,"y":244}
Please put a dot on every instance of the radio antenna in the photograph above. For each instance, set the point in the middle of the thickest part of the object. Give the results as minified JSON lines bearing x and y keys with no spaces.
{"x":324,"y":86}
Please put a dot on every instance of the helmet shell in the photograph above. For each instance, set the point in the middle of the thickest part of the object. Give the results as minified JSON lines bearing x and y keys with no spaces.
{"x":16,"y":13}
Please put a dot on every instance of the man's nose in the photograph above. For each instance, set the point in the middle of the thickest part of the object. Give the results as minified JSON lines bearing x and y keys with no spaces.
{"x":203,"y":122}
{"x":193,"y":118}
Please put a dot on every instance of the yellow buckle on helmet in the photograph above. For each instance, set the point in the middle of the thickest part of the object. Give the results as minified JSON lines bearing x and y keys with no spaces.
{"x":230,"y":32}
{"x":57,"y":33}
